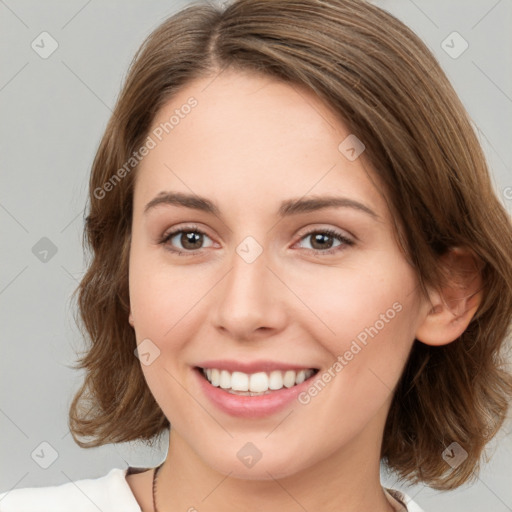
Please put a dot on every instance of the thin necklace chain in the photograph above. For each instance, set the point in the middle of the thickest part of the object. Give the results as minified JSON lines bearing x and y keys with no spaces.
{"x":154,"y":486}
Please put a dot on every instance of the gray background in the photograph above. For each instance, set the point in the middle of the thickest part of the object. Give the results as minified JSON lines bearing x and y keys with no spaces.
{"x":53,"y":114}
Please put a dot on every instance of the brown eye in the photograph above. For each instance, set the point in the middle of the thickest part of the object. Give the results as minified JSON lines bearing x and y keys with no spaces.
{"x":322,"y":241}
{"x":185,"y":240}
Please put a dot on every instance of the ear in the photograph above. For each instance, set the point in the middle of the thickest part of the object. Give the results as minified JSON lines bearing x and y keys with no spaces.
{"x":130,"y":318}
{"x":450,"y":311}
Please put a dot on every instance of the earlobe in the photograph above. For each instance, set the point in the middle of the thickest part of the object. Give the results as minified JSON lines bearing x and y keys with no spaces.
{"x":130,"y":319}
{"x":453,"y":307}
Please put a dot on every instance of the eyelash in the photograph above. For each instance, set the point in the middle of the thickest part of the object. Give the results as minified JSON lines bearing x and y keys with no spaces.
{"x":335,"y":234}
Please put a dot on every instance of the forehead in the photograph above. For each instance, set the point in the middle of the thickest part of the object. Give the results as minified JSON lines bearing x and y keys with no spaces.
{"x":249,"y":137}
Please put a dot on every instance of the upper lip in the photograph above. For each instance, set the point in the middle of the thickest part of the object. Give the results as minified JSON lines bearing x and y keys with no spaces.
{"x":252,"y":366}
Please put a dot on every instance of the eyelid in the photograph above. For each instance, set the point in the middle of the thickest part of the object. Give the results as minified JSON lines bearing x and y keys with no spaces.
{"x":168,"y":234}
{"x":326,"y":228}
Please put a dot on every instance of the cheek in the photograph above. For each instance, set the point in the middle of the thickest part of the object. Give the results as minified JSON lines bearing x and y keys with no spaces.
{"x":357,"y":301}
{"x":370,"y":317}
{"x":359,"y":380}
{"x":160,"y":294}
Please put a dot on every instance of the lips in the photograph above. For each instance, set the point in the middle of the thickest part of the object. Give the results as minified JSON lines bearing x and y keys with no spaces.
{"x":255,"y":389}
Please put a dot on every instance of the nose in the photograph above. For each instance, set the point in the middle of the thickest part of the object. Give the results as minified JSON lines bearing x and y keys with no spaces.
{"x":251,"y":300}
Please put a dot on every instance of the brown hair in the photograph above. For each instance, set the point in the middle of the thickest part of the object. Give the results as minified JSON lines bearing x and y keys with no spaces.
{"x":387,"y":87}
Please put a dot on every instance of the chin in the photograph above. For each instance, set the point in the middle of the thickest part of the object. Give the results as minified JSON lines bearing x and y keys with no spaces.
{"x":266,"y":468}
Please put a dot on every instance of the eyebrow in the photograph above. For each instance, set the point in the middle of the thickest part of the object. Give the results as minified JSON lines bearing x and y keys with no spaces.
{"x":287,"y":208}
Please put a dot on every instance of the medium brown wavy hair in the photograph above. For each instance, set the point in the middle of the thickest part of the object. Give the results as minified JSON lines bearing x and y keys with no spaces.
{"x":389,"y":90}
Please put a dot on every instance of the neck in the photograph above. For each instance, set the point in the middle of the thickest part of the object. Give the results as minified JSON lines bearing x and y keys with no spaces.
{"x":347,"y":481}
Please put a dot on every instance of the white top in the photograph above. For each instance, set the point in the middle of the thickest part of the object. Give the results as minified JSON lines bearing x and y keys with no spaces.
{"x":110,"y":493}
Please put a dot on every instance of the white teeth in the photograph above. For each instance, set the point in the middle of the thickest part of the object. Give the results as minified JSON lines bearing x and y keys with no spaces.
{"x":301,"y":377}
{"x":239,"y":381}
{"x":289,"y":378}
{"x":275,"y":380}
{"x":225,"y":379}
{"x":260,"y":382}
{"x":214,"y":377}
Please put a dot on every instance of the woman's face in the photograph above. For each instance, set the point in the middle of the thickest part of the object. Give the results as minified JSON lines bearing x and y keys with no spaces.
{"x":261,"y":288}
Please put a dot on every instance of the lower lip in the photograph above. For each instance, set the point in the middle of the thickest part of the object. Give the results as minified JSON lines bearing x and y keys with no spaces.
{"x":250,"y":406}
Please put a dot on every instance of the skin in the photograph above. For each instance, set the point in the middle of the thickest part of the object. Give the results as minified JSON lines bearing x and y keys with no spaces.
{"x":250,"y":143}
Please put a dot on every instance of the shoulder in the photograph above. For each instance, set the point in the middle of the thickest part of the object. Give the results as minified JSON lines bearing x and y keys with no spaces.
{"x":408,"y":505}
{"x":109,"y":493}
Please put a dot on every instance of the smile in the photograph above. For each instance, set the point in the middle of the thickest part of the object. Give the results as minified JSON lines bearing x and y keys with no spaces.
{"x":255,"y":384}
{"x":261,"y":390}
